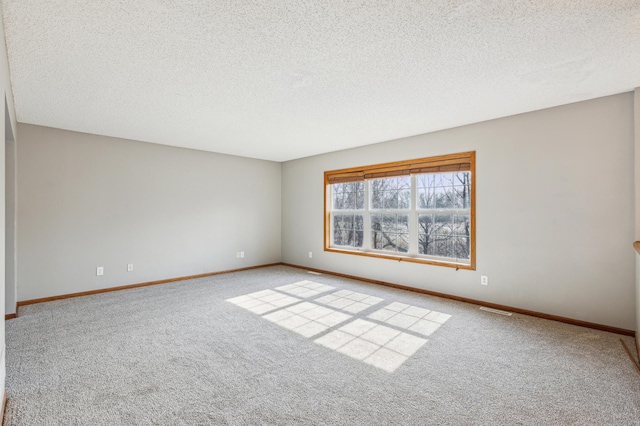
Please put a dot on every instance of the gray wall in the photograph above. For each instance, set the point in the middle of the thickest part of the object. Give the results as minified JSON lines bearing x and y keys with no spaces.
{"x":87,"y":201}
{"x":10,"y":226}
{"x":9,"y":127}
{"x":555,"y":211}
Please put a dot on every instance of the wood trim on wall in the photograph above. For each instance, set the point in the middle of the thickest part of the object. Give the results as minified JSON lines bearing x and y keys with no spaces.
{"x":4,"y":407}
{"x":12,"y":316}
{"x":145,"y":284}
{"x":571,"y":321}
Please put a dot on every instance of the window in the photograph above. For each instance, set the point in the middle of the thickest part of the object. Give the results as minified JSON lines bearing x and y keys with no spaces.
{"x":419,"y":210}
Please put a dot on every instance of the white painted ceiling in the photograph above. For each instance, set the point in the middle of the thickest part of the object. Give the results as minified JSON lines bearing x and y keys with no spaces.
{"x":280,"y":79}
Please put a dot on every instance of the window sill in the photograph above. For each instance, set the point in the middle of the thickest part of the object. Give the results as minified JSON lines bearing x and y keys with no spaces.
{"x":470,"y":267}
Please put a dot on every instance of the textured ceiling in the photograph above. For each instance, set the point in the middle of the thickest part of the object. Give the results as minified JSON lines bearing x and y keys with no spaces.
{"x":280,"y":80}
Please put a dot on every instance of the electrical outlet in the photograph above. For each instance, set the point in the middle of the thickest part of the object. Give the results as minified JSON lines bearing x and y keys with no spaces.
{"x":238,"y":254}
{"x":310,"y":255}
{"x":129,"y":267}
{"x":484,"y":280}
{"x":100,"y":270}
{"x":242,"y":254}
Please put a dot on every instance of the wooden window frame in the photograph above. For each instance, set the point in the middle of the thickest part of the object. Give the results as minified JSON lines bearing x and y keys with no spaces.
{"x":443,"y":163}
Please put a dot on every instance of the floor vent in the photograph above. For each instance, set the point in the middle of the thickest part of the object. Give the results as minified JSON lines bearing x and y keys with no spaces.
{"x":495,"y":311}
{"x":314,"y":273}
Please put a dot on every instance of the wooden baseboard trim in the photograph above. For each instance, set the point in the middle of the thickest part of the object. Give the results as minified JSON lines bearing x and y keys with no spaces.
{"x":580,"y":323}
{"x":8,"y":317}
{"x":130,"y":286}
{"x":4,"y":407}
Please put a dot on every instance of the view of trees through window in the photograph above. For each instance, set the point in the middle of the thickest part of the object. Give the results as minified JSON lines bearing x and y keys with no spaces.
{"x":382,"y":214}
{"x":348,"y":221}
{"x":444,"y":222}
{"x":390,"y":202}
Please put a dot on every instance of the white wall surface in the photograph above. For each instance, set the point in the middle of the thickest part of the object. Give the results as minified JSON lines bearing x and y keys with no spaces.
{"x":555,"y":211}
{"x":87,"y":201}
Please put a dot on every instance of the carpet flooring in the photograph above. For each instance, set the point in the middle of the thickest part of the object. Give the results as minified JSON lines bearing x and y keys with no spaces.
{"x":280,"y":346}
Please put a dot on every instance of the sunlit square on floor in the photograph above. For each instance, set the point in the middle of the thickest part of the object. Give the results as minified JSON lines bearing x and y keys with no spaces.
{"x":349,"y":301}
{"x":263,"y":301}
{"x":380,"y":346}
{"x":306,"y":318}
{"x":412,"y":318}
{"x":305,"y":289}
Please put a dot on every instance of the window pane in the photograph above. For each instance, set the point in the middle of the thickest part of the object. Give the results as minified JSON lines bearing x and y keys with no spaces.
{"x":443,"y":179}
{"x":376,"y":222}
{"x":442,"y":225}
{"x":462,"y":178}
{"x":349,"y":202}
{"x":403,"y":182}
{"x":426,"y":198}
{"x":461,"y":197}
{"x":347,"y":196}
{"x":389,"y":223}
{"x":347,"y":230}
{"x":390,"y":199}
{"x":462,"y":185}
{"x":425,"y":222}
{"x":404,"y":199}
{"x":426,"y":180}
{"x":402,"y":243}
{"x":376,"y":189}
{"x":337,"y":200}
{"x":358,"y":222}
{"x":390,"y":232}
{"x":462,"y":225}
{"x":360,"y":200}
{"x":461,"y":247}
{"x":376,"y":240}
{"x":348,"y":221}
{"x":440,"y":246}
{"x":391,"y":193}
{"x":339,"y":237}
{"x":443,"y":197}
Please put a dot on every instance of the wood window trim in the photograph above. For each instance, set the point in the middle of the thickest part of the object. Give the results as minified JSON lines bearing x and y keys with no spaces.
{"x":464,"y":161}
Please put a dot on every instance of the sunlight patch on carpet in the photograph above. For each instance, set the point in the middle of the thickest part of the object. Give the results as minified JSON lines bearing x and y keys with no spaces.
{"x":305,"y":288}
{"x":386,"y":339}
{"x":263,"y":301}
{"x":377,"y":345}
{"x":412,"y":318}
{"x":350,"y":301}
{"x":307,"y":318}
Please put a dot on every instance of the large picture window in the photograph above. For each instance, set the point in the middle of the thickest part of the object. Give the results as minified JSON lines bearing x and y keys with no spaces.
{"x":419,"y":210}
